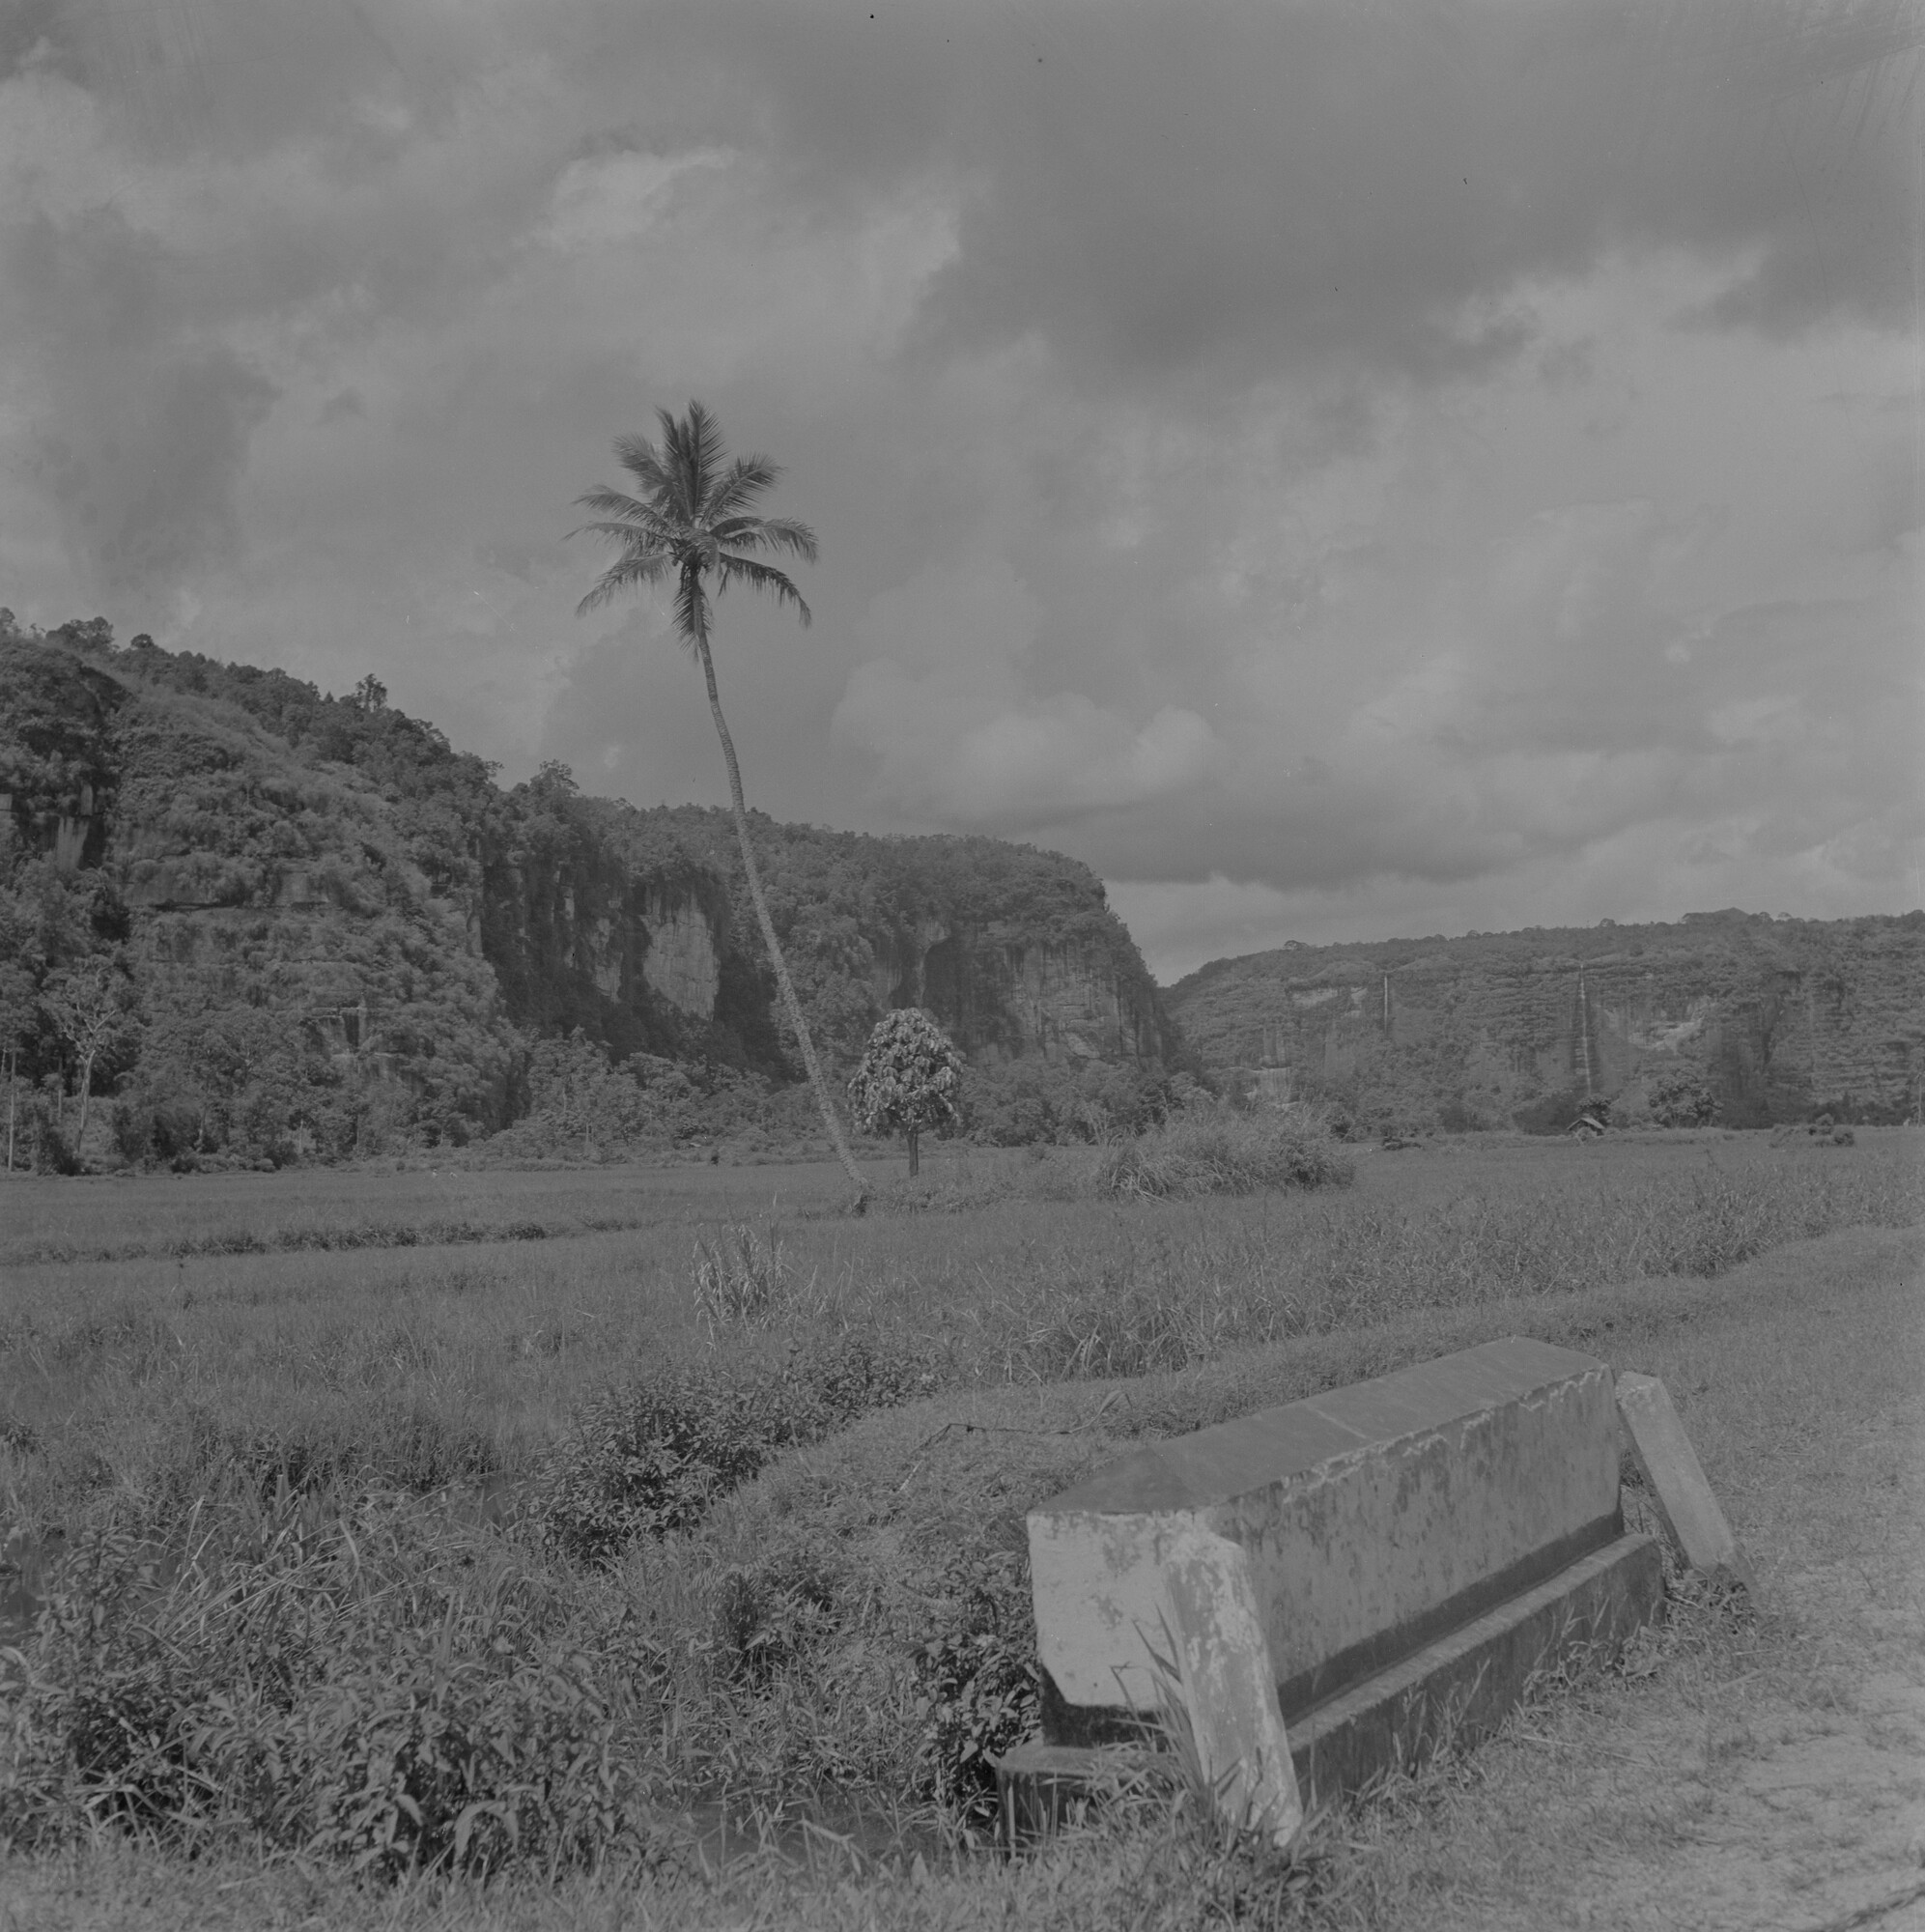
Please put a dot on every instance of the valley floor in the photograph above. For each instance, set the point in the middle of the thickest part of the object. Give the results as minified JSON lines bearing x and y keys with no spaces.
{"x":1738,"y":1775}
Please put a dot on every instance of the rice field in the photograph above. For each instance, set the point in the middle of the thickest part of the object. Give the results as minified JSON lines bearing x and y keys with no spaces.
{"x":344,"y":1507}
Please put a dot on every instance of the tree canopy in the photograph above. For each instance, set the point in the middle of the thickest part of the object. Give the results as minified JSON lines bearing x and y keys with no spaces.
{"x":910,"y":1080}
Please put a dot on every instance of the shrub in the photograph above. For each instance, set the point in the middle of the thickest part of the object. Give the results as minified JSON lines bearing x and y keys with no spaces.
{"x":978,"y":1687}
{"x":1680,"y":1096}
{"x":44,"y":1139}
{"x":650,"y":1458}
{"x":1219,"y":1151}
{"x":320,"y":1680}
{"x":1031,"y":1101}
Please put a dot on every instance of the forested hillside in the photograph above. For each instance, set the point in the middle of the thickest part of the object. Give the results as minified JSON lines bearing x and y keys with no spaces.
{"x":1739,"y":1017}
{"x":240,"y":918}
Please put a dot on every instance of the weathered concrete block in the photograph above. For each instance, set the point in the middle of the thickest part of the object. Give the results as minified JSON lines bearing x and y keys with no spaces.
{"x":1463,"y":1685}
{"x":1040,"y":1788}
{"x":1228,"y":1686}
{"x":1374,"y":1520}
{"x":1694,"y":1523}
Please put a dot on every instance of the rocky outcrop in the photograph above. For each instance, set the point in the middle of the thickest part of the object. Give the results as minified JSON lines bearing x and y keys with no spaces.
{"x":1001,"y":998}
{"x":1779,"y":1019}
{"x":332,"y":874}
{"x":683,"y":960}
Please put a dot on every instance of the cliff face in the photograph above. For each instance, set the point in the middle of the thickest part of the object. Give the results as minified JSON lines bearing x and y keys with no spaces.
{"x":1777,"y":1020}
{"x":334,"y":870}
{"x":1014,"y":951}
{"x":1000,"y":998}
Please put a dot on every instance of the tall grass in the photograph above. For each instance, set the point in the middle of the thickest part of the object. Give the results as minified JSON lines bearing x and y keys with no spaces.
{"x":292,"y":1611}
{"x":359,"y":1683}
{"x":1184,"y":1297}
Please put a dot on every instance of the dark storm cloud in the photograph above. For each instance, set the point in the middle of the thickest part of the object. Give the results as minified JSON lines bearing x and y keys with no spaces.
{"x":140,"y":438}
{"x":1294,"y":444}
{"x":1242,"y":185}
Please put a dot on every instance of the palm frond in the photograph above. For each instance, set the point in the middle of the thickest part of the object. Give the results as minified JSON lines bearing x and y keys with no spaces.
{"x":607,"y":502}
{"x":777,"y":533}
{"x":643,"y":461}
{"x":647,"y":530}
{"x":740,"y":484}
{"x":765,"y":577}
{"x":692,"y":451}
{"x":624,"y":574}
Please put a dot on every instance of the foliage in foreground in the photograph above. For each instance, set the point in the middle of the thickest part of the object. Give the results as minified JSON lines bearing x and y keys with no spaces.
{"x":686,"y":1610}
{"x":351,"y":1683}
{"x":649,"y":1457}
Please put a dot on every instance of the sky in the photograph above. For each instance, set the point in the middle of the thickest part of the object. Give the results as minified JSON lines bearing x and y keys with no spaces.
{"x":1345,"y":470}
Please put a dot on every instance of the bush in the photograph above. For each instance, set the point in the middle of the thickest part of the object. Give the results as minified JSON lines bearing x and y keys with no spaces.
{"x":1680,"y":1096}
{"x":978,"y":1690}
{"x":1033,"y":1101}
{"x":347,"y":1683}
{"x":42,"y":1137}
{"x":1219,"y":1151}
{"x":650,"y":1458}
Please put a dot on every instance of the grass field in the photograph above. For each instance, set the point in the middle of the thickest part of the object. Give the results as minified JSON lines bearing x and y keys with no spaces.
{"x":203,"y":1427}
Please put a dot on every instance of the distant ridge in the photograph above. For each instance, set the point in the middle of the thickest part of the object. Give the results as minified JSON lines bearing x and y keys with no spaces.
{"x":1761,"y":1019}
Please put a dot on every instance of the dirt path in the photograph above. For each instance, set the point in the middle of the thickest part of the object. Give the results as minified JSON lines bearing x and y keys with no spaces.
{"x":1776,"y":1784}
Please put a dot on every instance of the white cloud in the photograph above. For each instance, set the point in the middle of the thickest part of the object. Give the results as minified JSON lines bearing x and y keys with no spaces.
{"x":958,"y":737}
{"x":604,"y":199}
{"x":1512,"y":515}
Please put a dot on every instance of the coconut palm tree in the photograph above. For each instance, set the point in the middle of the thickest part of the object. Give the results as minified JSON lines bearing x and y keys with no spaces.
{"x":692,"y":521}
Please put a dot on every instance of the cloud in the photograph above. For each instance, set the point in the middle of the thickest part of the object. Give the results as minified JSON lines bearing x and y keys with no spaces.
{"x":959,"y":738}
{"x":141,"y":425}
{"x":1237,"y":187}
{"x":1326,"y":461}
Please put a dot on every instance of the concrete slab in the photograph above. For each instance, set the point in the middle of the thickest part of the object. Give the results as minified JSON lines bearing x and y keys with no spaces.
{"x":1228,"y":1686}
{"x":1040,"y":1788}
{"x":1693,"y":1522}
{"x":1463,"y":1684}
{"x":1374,"y":1519}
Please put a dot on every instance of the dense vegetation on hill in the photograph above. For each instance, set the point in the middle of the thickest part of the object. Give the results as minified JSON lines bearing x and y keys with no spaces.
{"x":305,"y":925}
{"x":1733,"y":1016}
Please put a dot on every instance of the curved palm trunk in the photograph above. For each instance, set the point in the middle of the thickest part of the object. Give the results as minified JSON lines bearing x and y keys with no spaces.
{"x":786,"y":986}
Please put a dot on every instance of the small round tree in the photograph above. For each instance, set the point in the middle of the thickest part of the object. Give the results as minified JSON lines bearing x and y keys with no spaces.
{"x":910,"y":1081}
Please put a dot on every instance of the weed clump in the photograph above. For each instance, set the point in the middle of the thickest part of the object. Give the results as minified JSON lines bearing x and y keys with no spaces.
{"x":344,"y":1680}
{"x":648,"y":1457}
{"x":978,"y":1690}
{"x":1219,"y":1151}
{"x":745,"y":1280}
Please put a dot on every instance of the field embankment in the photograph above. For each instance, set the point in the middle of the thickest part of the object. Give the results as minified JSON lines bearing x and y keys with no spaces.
{"x":331,"y":1478}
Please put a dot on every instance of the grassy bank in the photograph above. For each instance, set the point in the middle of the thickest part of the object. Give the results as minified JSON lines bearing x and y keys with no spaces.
{"x":130,"y":1385}
{"x":319,"y":1592}
{"x":1787,"y":1371}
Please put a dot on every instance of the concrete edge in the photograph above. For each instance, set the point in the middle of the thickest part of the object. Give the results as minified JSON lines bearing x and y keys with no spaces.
{"x":1462,"y":1687}
{"x":1457,"y":1689}
{"x":1694,"y":1523}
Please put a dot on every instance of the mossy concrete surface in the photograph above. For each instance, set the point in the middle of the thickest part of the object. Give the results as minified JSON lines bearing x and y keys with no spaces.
{"x":1377,"y":1519}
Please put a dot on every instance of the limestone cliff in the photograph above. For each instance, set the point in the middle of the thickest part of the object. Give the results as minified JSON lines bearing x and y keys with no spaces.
{"x":1779,"y":1019}
{"x":1015,"y":951}
{"x":331,"y":875}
